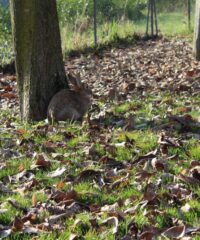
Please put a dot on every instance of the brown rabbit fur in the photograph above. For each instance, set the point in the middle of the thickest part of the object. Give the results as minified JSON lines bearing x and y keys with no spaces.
{"x":70,"y":104}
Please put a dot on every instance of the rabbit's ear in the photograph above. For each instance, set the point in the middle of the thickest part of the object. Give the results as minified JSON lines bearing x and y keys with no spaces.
{"x":72,"y":79}
{"x":78,"y":80}
{"x":75,"y":81}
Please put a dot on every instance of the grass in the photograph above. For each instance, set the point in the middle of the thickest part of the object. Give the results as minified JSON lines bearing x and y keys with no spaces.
{"x":195,"y":152}
{"x":90,"y":193}
{"x":170,"y":24}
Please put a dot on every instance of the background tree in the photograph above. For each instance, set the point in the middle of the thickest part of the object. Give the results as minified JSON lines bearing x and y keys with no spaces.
{"x":197,"y":31}
{"x":39,"y":62}
{"x":152,"y":19}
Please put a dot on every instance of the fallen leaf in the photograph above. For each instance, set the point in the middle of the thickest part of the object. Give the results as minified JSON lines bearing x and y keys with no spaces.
{"x":5,"y":233}
{"x":60,"y":185}
{"x":57,"y":173}
{"x":147,"y":235}
{"x":17,"y":224}
{"x":59,"y":196}
{"x":189,"y":180}
{"x":175,"y":232}
{"x":73,"y":236}
{"x":8,"y":95}
{"x":113,"y":221}
{"x":42,"y":162}
{"x":88,"y":174}
{"x":34,"y":200}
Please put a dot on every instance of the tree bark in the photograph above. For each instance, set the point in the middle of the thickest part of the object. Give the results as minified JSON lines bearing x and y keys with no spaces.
{"x":39,"y":62}
{"x":196,"y":47}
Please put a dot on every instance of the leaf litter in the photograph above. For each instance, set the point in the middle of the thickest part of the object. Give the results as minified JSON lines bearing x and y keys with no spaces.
{"x":131,"y":170}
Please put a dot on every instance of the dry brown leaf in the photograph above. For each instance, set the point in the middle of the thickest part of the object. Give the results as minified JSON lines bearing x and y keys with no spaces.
{"x":147,"y":235}
{"x":88,"y":174}
{"x":59,"y":196}
{"x":42,"y":162}
{"x":8,"y":95}
{"x":157,"y":164}
{"x":31,"y":217}
{"x":21,"y":168}
{"x":189,"y":180}
{"x":175,"y":232}
{"x":194,"y":163}
{"x":34,"y":200}
{"x":149,"y":196}
{"x":31,"y":184}
{"x":60,"y":185}
{"x":49,"y":146}
{"x":18,"y":224}
{"x":143,"y":175}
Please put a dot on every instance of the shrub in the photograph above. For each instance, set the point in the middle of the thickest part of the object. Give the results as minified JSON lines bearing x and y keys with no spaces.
{"x":171,"y":5}
{"x":5,"y":23}
{"x":107,"y":10}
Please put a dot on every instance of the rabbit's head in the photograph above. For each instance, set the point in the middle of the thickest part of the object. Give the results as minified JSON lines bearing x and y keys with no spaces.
{"x":78,"y":86}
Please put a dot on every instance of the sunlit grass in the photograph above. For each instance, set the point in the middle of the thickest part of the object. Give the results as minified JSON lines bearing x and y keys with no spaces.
{"x":195,"y":152}
{"x":89,"y":192}
{"x":170,"y":24}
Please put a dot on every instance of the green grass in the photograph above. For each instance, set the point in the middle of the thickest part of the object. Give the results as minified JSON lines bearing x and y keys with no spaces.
{"x":170,"y":24}
{"x":195,"y":152}
{"x":129,"y":191}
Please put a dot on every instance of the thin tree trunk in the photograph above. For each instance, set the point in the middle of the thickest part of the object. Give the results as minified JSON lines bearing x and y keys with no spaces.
{"x":39,"y":63}
{"x":148,"y":16}
{"x":189,"y":13}
{"x":156,"y":20}
{"x":125,"y":6}
{"x":152,"y":19}
{"x":196,"y":47}
{"x":95,"y":21}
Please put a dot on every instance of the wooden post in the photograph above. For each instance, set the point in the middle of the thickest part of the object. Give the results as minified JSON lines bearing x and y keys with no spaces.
{"x":95,"y":22}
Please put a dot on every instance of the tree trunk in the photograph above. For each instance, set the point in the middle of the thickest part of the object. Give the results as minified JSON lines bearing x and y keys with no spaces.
{"x":189,"y":13}
{"x":196,"y":47}
{"x":39,"y":63}
{"x":95,"y":22}
{"x":152,"y":18}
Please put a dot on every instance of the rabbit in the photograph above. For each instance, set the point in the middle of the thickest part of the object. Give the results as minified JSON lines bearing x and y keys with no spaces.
{"x":70,"y":104}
